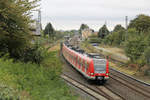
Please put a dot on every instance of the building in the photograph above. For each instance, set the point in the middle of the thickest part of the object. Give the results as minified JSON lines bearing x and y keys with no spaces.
{"x":87,"y":33}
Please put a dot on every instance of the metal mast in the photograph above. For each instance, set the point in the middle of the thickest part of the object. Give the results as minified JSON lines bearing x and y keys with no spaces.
{"x":38,"y":26}
{"x":126,"y":25}
{"x":38,"y":23}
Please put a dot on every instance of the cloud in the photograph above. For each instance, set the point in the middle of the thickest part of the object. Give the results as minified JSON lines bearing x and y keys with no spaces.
{"x":69,"y":14}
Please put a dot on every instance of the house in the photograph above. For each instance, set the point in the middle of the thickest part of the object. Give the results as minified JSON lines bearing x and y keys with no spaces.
{"x":87,"y":33}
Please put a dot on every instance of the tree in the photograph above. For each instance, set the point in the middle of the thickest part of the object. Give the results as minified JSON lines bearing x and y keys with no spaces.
{"x":103,"y":31}
{"x":15,"y":19}
{"x":49,"y":30}
{"x":147,"y":55}
{"x":82,"y":27}
{"x":118,"y":28}
{"x":141,"y":23}
{"x":135,"y":47}
{"x":115,"y":38}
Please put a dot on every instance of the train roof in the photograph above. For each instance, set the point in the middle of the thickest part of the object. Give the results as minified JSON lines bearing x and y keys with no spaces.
{"x":95,"y":55}
{"x":82,"y":52}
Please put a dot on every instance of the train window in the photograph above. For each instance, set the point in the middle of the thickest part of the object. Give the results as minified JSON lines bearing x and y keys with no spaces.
{"x":81,"y":63}
{"x":72,"y":58}
{"x":77,"y":60}
{"x":86,"y":65}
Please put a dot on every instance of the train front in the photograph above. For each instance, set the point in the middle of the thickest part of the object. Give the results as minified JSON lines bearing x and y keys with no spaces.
{"x":101,"y":69}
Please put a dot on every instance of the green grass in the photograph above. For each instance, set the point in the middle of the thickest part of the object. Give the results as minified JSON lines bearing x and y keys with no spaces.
{"x":34,"y":82}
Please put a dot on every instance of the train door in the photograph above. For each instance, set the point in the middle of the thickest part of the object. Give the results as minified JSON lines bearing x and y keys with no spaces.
{"x":75,"y":60}
{"x":83,"y":65}
{"x":86,"y":67}
{"x":78,"y":62}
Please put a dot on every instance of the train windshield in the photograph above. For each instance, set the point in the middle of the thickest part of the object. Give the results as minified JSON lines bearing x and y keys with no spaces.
{"x":100,"y":65}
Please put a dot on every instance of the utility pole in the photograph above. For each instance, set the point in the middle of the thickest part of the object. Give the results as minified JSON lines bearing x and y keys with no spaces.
{"x":38,"y":29}
{"x":38,"y":23}
{"x":106,"y":26}
{"x":126,"y":25}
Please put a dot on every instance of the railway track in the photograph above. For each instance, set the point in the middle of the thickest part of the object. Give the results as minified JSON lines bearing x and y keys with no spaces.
{"x":134,"y":87}
{"x":110,"y":94}
{"x":138,"y":87}
{"x":97,"y":92}
{"x":83,"y":87}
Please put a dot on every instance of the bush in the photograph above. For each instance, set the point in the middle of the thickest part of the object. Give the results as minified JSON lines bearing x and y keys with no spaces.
{"x":115,"y":38}
{"x":108,"y":40}
{"x":147,"y":73}
{"x":34,"y":54}
{"x":8,"y":93}
{"x":35,"y":82}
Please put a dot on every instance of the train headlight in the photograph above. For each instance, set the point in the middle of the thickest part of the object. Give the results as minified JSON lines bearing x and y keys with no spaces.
{"x":92,"y":73}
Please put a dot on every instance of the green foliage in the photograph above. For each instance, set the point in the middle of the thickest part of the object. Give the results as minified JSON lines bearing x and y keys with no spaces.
{"x":147,"y":55}
{"x":82,"y":27}
{"x":147,"y":39}
{"x":134,"y":48}
{"x":135,"y":41}
{"x":132,"y":32}
{"x":34,"y":54}
{"x":141,"y":23}
{"x":15,"y":21}
{"x":8,"y":93}
{"x":94,"y":40}
{"x":103,"y":31}
{"x":35,"y":82}
{"x":118,"y":28}
{"x":108,"y":39}
{"x":115,"y":38}
{"x":49,"y":30}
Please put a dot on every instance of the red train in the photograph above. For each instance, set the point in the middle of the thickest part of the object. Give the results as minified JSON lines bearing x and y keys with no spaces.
{"x":92,"y":66}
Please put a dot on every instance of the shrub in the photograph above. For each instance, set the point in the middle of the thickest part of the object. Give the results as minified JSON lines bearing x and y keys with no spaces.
{"x":108,"y":39}
{"x":34,"y":54}
{"x":37,"y":82}
{"x":115,"y":38}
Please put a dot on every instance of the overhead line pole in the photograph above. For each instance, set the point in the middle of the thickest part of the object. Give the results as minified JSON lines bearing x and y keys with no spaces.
{"x":126,"y":25}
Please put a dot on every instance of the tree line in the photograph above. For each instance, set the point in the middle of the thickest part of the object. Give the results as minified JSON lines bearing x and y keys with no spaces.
{"x":135,"y":40}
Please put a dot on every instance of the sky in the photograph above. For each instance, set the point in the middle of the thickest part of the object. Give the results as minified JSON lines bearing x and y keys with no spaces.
{"x":70,"y":14}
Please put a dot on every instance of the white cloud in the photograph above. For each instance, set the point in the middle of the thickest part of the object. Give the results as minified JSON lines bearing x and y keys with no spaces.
{"x":69,"y":14}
